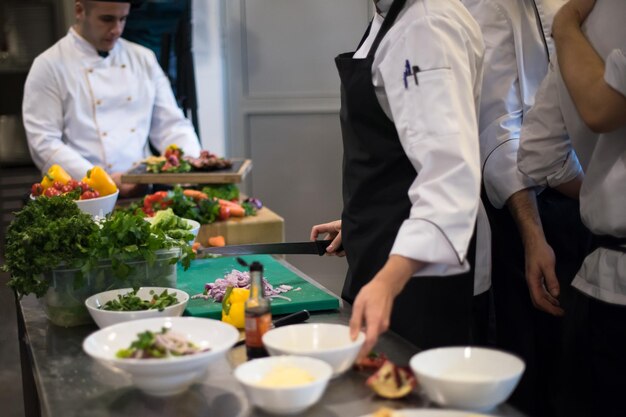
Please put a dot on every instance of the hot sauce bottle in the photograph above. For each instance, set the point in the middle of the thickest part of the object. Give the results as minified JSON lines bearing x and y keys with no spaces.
{"x":258,"y":314}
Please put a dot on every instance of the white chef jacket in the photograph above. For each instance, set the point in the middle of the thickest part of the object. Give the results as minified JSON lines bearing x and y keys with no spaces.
{"x":436,"y":120}
{"x":81,"y":110}
{"x":517,"y":48}
{"x":554,"y":138}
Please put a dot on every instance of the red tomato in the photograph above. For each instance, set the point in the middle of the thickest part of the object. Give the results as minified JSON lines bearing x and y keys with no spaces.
{"x":224,"y":213}
{"x":36,"y":189}
{"x":66,"y":189}
{"x":83,"y":186}
{"x":87,"y":195}
{"x":73,"y":183}
{"x":58,"y":185}
{"x":51,"y":192}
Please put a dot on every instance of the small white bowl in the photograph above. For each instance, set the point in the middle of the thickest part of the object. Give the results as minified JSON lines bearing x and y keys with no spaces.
{"x":104,"y":318}
{"x":168,"y":376}
{"x":328,"y":342}
{"x":283,"y":400}
{"x":100,"y":206}
{"x":468,"y":378}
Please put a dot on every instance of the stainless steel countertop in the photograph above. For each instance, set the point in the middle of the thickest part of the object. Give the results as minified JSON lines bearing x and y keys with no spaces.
{"x":70,"y":383}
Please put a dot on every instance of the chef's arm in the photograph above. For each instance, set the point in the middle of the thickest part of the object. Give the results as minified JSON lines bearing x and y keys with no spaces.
{"x":374,"y":302}
{"x":571,"y":188}
{"x":601,"y":107}
{"x":540,"y":261}
{"x":501,"y":103}
{"x":42,"y":112}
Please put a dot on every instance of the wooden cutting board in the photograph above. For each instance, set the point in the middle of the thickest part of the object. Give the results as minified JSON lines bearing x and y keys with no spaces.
{"x":309,"y":297}
{"x":232,"y":175}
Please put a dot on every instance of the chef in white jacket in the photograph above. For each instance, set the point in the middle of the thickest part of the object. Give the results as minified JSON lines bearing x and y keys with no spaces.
{"x":574,"y":140}
{"x":411,"y":173}
{"x":518,"y":50}
{"x":95,"y":99}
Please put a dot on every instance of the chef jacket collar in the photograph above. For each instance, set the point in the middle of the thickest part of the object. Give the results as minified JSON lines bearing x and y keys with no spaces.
{"x":88,"y":49}
{"x":383,"y":6}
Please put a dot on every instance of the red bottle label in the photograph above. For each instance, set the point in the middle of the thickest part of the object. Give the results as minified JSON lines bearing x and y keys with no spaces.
{"x":256,"y":327}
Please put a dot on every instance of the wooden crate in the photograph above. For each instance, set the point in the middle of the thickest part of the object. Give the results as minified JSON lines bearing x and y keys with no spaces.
{"x":265,"y":227}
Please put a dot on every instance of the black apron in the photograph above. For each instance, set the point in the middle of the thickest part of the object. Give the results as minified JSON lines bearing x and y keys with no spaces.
{"x":431,"y":311}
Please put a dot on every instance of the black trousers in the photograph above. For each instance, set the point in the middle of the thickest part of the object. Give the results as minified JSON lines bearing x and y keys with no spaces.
{"x":535,"y":336}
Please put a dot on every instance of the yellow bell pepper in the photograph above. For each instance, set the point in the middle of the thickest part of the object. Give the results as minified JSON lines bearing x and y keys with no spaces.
{"x":98,"y":179}
{"x":55,"y":173}
{"x":233,"y":307}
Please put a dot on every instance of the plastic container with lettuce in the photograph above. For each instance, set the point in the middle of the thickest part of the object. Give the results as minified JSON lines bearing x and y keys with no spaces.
{"x":61,"y":255}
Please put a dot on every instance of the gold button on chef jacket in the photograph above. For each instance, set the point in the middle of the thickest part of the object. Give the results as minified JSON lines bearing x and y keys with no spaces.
{"x":77,"y":111}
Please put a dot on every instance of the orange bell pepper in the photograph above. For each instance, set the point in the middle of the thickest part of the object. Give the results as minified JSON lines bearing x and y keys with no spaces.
{"x":55,"y":173}
{"x":98,"y":179}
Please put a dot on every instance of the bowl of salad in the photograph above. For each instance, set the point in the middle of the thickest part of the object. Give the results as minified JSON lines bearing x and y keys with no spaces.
{"x":116,"y":306}
{"x":163,"y":356}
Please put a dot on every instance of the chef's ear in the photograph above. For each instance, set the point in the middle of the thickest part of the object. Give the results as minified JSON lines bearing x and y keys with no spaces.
{"x":80,"y":9}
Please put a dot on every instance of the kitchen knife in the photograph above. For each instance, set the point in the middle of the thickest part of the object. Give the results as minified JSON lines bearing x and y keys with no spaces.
{"x":317,"y":247}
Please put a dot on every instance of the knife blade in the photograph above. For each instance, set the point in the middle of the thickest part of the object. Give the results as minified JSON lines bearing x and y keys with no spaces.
{"x":317,"y":247}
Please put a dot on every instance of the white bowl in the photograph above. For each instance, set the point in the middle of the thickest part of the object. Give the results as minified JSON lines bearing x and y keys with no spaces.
{"x":169,"y":376}
{"x":104,"y":318}
{"x":328,"y":342}
{"x":467,"y":377}
{"x":100,"y":206}
{"x":283,"y":400}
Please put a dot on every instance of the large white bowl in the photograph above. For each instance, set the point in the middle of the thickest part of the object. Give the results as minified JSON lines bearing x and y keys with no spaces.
{"x":467,"y":377}
{"x":104,"y":318}
{"x":328,"y":342}
{"x":169,"y":376}
{"x":283,"y":400}
{"x":100,"y":206}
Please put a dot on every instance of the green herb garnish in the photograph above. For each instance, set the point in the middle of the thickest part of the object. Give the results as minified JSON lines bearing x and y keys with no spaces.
{"x":131,"y":302}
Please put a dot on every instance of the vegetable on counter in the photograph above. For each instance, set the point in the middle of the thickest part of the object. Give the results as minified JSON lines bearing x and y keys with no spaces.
{"x":392,"y":381}
{"x":192,"y":204}
{"x":55,"y":174}
{"x":233,"y":306}
{"x":131,"y":302}
{"x":52,"y":232}
{"x":46,"y":233}
{"x":98,"y":179}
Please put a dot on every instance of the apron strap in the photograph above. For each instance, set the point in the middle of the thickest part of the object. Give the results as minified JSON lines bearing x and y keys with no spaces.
{"x":392,"y":14}
{"x":610,"y":242}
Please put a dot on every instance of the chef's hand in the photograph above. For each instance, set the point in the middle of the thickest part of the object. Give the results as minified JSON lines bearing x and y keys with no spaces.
{"x":541,"y":277}
{"x":127,"y":190}
{"x":333,"y":231}
{"x":373,"y":304}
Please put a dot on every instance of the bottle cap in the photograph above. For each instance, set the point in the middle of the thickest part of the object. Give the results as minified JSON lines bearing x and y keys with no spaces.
{"x":256,"y":266}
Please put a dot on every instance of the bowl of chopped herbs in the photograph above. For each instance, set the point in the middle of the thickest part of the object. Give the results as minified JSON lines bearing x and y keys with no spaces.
{"x":116,"y":306}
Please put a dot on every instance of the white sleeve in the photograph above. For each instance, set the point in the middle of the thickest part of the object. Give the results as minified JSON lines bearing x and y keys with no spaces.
{"x":615,"y":71}
{"x":436,"y":121}
{"x":169,"y":125}
{"x":546,"y":154}
{"x":42,"y":112}
{"x":501,"y":106}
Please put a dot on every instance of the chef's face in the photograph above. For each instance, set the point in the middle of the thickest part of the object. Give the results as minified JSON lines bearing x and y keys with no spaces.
{"x":101,"y":23}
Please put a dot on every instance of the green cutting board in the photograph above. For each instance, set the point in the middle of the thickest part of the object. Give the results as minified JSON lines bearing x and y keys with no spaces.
{"x":201,"y":272}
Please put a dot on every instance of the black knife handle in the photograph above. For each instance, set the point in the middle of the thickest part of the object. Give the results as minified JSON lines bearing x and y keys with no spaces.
{"x":294,"y":318}
{"x":323,"y":244}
